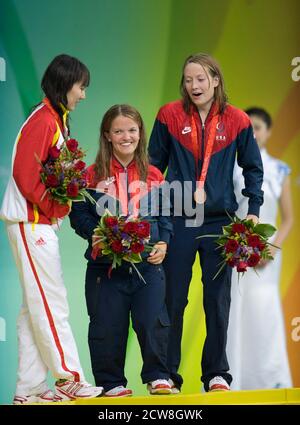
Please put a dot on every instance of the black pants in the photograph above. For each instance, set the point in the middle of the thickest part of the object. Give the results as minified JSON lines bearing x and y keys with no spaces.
{"x":216,"y":297}
{"x":110,"y":302}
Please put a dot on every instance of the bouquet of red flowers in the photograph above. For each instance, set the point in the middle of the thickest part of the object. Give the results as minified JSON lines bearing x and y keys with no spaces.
{"x":244,"y":244}
{"x":121,"y":238}
{"x":64,"y":173}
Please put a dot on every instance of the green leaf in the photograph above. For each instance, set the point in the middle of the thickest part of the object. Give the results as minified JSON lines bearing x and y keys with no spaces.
{"x":208,"y":236}
{"x":227,"y":229}
{"x":220,"y":269}
{"x":114,"y":263}
{"x":231,"y":218}
{"x":135,"y":258}
{"x":265,"y":230}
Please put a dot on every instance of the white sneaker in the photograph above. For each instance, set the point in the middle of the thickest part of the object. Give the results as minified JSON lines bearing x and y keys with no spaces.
{"x":71,"y":390}
{"x":47,"y":396}
{"x":174,"y":389}
{"x":119,"y":391}
{"x":159,"y":386}
{"x":218,"y":384}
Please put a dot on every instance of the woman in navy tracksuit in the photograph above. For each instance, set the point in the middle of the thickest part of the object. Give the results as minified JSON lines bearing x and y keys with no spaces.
{"x":197,"y":138}
{"x":121,"y":162}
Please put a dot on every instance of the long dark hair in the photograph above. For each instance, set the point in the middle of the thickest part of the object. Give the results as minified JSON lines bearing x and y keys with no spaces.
{"x":104,"y":154}
{"x":210,"y":65}
{"x":60,"y":76}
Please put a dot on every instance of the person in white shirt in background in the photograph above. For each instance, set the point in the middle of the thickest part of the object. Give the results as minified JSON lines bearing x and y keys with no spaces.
{"x":256,"y":346}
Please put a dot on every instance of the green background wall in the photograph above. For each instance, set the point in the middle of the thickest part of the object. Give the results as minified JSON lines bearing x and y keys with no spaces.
{"x":135,"y":50}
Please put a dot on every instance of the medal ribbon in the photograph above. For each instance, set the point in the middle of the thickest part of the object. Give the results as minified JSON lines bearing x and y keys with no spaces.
{"x":208,"y":150}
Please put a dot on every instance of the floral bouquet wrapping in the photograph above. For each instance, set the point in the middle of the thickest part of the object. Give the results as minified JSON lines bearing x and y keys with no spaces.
{"x":64,"y":173}
{"x":244,"y":244}
{"x":122,"y":239}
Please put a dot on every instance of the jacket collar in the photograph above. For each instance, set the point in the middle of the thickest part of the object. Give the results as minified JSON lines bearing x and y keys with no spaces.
{"x":116,"y":164}
{"x":48,"y":104}
{"x":214,"y":110}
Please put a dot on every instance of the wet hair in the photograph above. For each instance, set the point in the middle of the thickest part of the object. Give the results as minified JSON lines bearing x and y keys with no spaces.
{"x":105,"y":151}
{"x":260,"y":113}
{"x":210,"y":65}
{"x":60,"y":76}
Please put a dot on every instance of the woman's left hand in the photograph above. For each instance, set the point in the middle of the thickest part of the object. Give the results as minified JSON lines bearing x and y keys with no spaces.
{"x":252,"y":217}
{"x":273,"y":250}
{"x":158,"y":253}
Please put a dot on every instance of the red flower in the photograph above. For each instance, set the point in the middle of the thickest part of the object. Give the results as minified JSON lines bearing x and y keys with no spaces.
{"x":143,"y":229}
{"x":231,"y":262}
{"x":111,"y":221}
{"x":51,"y":181}
{"x":117,"y":246}
{"x":54,"y":152}
{"x":72,"y":190}
{"x":253,"y":241}
{"x":241,"y":266}
{"x":231,"y":245}
{"x":137,"y":247}
{"x":131,"y":227}
{"x":253,"y":260}
{"x":72,"y":145}
{"x":261,"y":246}
{"x":80,"y":165}
{"x":238,"y":228}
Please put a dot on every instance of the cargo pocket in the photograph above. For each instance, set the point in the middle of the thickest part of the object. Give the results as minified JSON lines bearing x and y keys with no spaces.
{"x":164,"y":318}
{"x":92,"y":289}
{"x":161,"y":272}
{"x":162,"y":334}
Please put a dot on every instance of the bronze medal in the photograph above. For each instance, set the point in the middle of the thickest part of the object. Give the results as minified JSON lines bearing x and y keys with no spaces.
{"x":200,"y":196}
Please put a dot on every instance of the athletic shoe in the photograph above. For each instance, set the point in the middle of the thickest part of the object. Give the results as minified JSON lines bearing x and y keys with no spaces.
{"x":218,"y":384}
{"x":174,"y":389}
{"x":119,"y":391}
{"x":47,"y":396}
{"x":159,"y":386}
{"x":71,"y":390}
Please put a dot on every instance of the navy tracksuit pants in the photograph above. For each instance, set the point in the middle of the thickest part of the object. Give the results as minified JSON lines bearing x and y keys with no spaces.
{"x":110,"y":302}
{"x":216,"y":296}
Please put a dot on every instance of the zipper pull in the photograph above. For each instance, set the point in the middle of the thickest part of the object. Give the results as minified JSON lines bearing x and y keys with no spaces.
{"x":130,"y":270}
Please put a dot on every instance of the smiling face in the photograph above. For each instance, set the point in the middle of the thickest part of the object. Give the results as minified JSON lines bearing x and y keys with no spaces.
{"x":124,"y":135}
{"x":200,"y":85}
{"x":75,"y":95}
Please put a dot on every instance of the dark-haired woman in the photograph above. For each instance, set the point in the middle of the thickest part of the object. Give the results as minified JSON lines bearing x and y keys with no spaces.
{"x":45,"y":338}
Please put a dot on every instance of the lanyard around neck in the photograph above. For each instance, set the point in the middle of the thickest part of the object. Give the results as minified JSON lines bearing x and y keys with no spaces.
{"x":208,"y":151}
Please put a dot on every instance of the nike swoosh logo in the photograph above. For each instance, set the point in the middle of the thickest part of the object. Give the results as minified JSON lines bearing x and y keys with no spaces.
{"x":186,"y":130}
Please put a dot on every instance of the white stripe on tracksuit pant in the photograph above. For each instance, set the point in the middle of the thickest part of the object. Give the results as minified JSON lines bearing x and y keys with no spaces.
{"x":45,"y":337}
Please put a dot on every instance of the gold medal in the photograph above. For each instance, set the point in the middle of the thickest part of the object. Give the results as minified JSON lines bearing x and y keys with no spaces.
{"x":200,"y":196}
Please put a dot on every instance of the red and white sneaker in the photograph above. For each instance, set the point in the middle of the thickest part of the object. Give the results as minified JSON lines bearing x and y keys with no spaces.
{"x":119,"y":391}
{"x":218,"y":384}
{"x":47,"y":396}
{"x":174,"y":389}
{"x":159,"y":386}
{"x":71,"y":390}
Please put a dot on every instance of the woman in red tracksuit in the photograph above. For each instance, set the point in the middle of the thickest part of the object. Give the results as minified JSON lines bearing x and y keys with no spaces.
{"x":197,"y":139}
{"x":124,"y":180}
{"x":45,"y":338}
